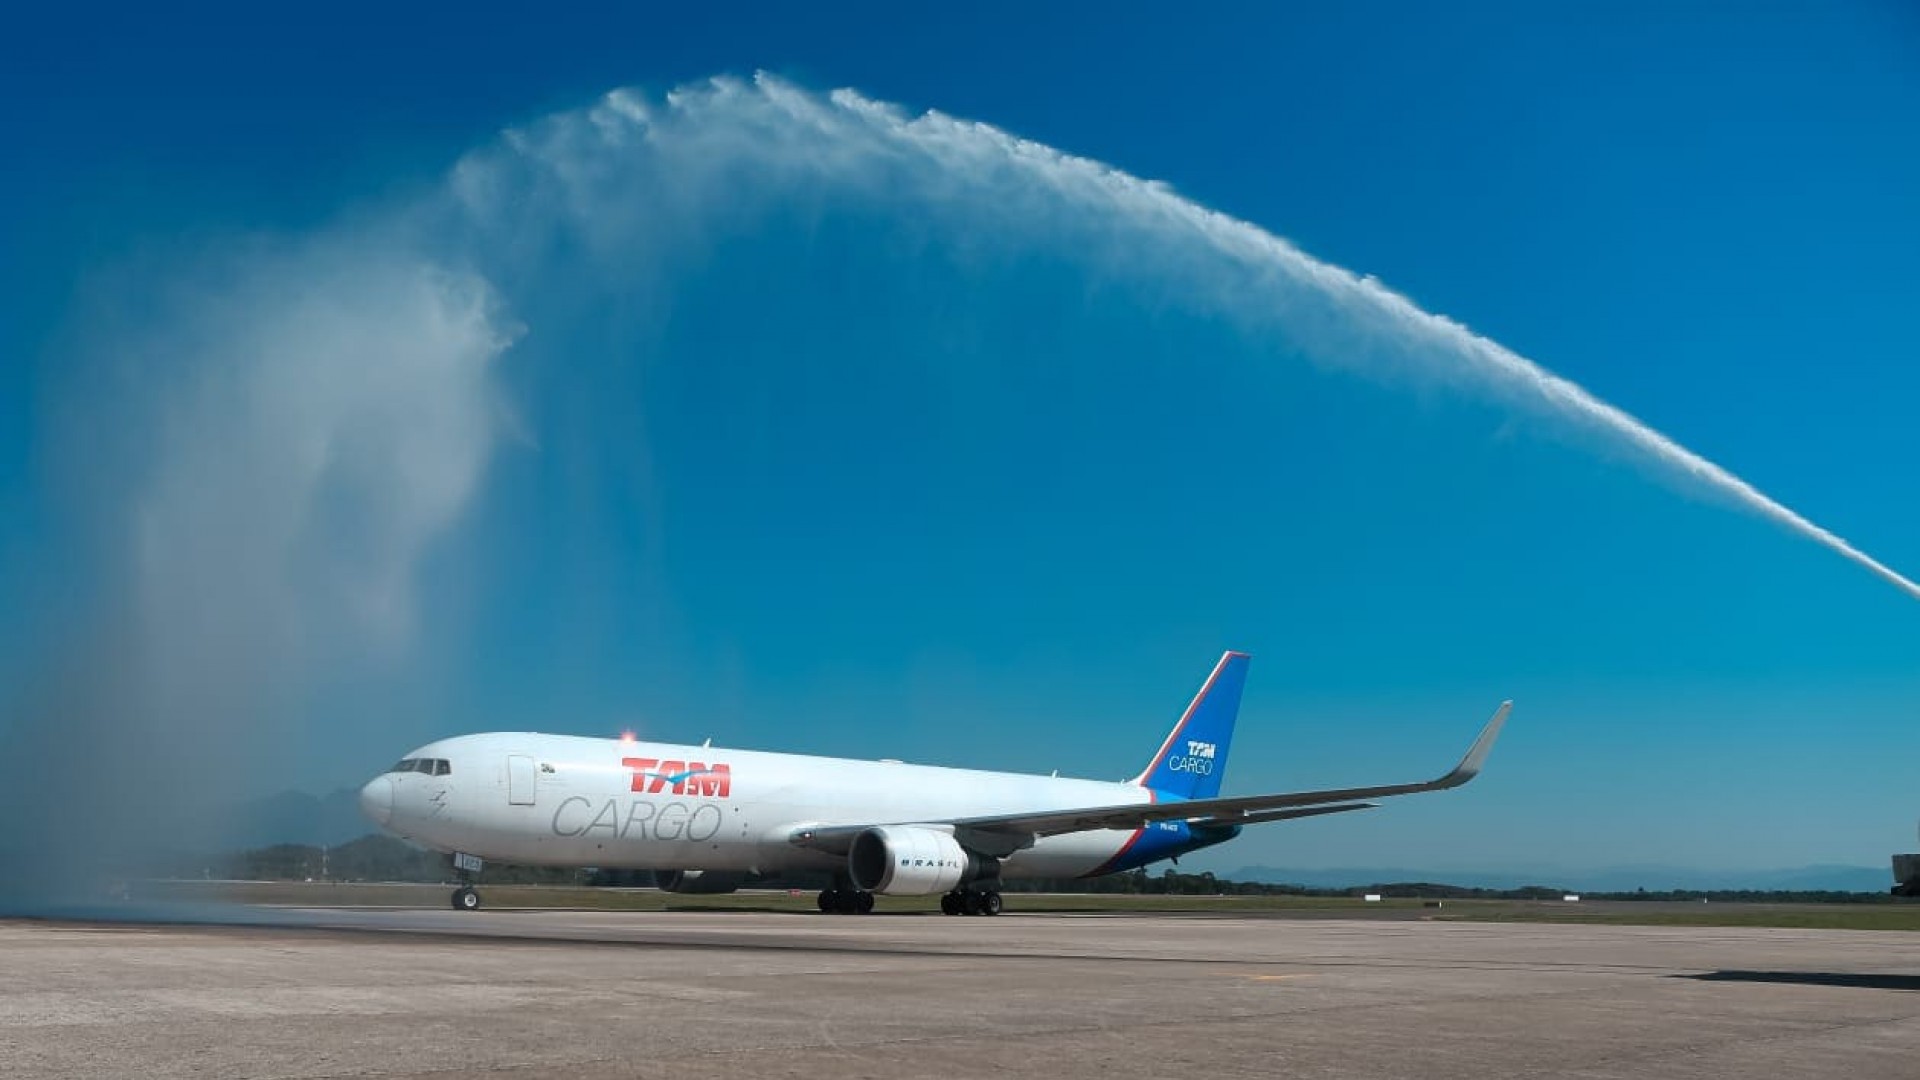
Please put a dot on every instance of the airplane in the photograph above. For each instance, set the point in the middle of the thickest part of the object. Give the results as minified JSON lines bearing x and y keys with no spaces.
{"x":709,"y":820}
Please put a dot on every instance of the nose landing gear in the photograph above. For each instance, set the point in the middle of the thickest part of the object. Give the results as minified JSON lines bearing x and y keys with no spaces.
{"x":466,"y":866}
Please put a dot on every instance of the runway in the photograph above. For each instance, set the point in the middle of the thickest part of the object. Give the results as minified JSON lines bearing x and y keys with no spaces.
{"x":407,"y":993}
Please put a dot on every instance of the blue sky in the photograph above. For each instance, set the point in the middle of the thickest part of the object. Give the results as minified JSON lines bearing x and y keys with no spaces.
{"x":825,"y":476}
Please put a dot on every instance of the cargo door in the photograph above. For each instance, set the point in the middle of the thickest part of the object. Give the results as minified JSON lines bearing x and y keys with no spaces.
{"x":521,"y":776}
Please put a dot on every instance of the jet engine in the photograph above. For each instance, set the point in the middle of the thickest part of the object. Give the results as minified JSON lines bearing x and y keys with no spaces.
{"x":911,"y":860}
{"x":697,"y":881}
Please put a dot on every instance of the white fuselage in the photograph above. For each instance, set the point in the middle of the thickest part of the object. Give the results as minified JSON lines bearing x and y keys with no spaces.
{"x":560,"y":800}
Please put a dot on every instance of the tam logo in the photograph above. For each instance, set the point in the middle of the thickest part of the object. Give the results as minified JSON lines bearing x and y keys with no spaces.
{"x":1197,"y":761}
{"x":653,"y":776}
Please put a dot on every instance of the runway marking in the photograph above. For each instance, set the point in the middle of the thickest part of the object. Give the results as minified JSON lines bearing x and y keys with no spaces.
{"x":1277,"y":978}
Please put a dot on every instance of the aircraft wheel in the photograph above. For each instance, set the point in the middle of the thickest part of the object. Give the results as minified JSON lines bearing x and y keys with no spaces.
{"x":990,"y":903}
{"x":846,"y":901}
{"x":950,"y":904}
{"x":973,"y":903}
{"x":466,"y":899}
{"x":829,"y":901}
{"x":865,"y":905}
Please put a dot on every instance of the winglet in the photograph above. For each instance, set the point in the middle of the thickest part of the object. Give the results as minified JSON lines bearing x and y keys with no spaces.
{"x":1469,"y":766}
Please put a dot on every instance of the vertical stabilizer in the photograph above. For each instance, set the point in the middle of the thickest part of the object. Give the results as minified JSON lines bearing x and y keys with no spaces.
{"x":1193,"y":759}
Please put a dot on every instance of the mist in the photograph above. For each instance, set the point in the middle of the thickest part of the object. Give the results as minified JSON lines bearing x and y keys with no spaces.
{"x":267,"y":454}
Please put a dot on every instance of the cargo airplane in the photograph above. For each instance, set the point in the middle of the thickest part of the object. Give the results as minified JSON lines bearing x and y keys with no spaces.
{"x":708,"y":820}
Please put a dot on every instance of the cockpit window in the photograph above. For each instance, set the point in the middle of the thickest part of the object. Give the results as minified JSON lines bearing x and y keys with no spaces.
{"x":442,"y":767}
{"x":405,"y":765}
{"x":425,"y":766}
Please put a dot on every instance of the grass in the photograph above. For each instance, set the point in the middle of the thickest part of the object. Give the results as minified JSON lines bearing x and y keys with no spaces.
{"x":1879,"y":916}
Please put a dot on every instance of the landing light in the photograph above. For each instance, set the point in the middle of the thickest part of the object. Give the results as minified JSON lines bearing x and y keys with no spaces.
{"x":626,"y":736}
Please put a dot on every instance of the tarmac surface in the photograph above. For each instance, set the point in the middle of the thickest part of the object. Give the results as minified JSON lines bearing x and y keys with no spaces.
{"x":697,"y":994}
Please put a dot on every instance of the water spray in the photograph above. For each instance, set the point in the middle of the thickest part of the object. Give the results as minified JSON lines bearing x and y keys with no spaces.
{"x":848,"y":134}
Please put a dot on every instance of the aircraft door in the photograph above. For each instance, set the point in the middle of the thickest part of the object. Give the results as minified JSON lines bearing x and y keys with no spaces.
{"x":521,"y":777}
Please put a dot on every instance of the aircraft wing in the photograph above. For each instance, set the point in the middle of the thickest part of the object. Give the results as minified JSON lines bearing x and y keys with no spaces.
{"x":1023,"y":828}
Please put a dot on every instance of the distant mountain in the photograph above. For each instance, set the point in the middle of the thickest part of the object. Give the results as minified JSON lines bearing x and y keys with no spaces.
{"x":1346,"y":877}
{"x":1604,"y":879}
{"x":296,"y":817}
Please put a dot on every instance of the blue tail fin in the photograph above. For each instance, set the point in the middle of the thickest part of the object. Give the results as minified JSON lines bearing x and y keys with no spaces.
{"x":1193,"y":760}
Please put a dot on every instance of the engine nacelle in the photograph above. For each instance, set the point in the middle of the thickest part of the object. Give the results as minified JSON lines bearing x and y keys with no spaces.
{"x":911,"y":860}
{"x":698,"y":881}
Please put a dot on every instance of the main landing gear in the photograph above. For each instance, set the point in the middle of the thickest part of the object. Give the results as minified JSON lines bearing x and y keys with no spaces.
{"x":971,"y":902}
{"x":465,"y":898}
{"x":840,"y":901}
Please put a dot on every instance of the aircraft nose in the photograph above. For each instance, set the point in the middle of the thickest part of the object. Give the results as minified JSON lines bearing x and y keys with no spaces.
{"x":376,"y":800}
